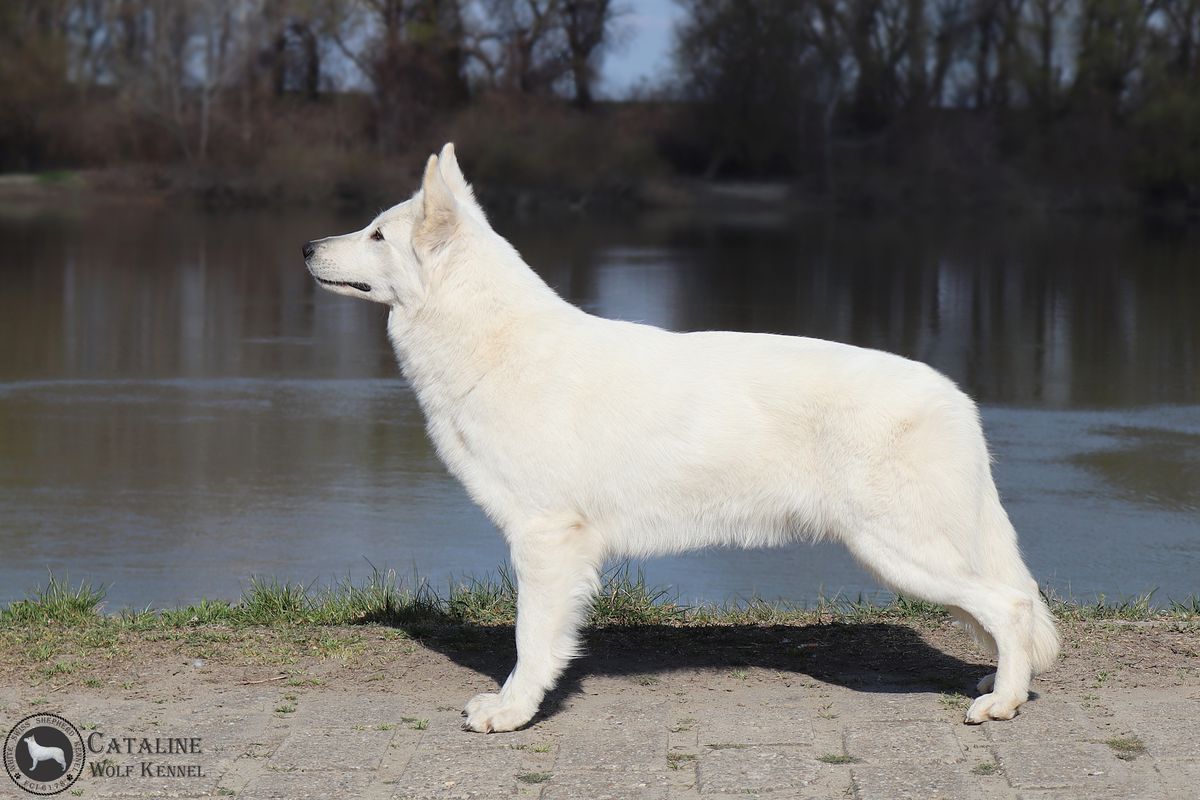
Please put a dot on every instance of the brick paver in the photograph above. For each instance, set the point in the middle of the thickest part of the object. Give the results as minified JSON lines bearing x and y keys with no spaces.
{"x":684,"y":734}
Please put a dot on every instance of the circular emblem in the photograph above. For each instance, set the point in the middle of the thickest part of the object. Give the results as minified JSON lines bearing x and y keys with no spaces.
{"x":44,"y":754}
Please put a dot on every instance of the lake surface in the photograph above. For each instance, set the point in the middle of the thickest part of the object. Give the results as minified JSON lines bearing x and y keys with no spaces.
{"x":181,"y":408}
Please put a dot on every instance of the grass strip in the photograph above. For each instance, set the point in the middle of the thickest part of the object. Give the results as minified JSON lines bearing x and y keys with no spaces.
{"x":384,"y":598}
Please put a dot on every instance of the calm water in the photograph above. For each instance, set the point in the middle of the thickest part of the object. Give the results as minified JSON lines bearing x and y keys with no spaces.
{"x":180,"y":408}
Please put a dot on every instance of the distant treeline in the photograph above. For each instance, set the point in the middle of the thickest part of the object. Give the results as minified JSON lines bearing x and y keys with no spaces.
{"x":952,"y":102}
{"x":1074,"y":94}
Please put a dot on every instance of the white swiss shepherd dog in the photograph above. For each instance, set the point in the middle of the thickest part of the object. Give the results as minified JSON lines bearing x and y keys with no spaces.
{"x":586,"y":439}
{"x":38,"y":754}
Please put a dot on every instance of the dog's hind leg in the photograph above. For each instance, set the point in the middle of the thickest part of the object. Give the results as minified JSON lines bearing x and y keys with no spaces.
{"x":1004,"y":613}
{"x":557,"y":565}
{"x":982,"y":638}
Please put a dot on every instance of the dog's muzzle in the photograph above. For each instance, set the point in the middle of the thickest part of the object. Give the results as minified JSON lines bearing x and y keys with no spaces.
{"x":308,"y":249}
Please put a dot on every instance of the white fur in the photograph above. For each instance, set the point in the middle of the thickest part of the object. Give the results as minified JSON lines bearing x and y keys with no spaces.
{"x":40,"y":754}
{"x":586,"y":439}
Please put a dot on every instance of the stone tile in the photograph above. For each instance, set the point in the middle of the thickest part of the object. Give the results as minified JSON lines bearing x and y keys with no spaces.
{"x":356,"y":710}
{"x":757,"y":770}
{"x":914,"y":781}
{"x":1169,"y":730}
{"x":1178,"y":778}
{"x":605,"y":785}
{"x":752,"y":724}
{"x":448,"y":735}
{"x":119,"y":788}
{"x":630,"y":740}
{"x":1085,"y":767}
{"x":132,"y":792}
{"x":890,"y":706}
{"x":610,"y":742}
{"x":1111,"y":793}
{"x":305,"y":786}
{"x":904,"y":741}
{"x":1046,"y":720}
{"x":480,"y":771}
{"x":343,"y":749}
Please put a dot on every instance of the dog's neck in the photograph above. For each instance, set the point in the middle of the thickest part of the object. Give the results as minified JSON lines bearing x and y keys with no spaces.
{"x":468,"y":325}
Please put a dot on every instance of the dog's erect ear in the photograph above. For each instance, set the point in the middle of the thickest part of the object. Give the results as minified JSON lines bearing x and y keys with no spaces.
{"x":453,"y":175}
{"x":439,"y":211}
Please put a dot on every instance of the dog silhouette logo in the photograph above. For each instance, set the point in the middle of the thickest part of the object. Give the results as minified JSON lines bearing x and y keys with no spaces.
{"x":39,"y":753}
{"x":44,"y":754}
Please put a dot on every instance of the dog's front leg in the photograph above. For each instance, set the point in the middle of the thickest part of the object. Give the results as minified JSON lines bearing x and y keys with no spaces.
{"x":557,"y":566}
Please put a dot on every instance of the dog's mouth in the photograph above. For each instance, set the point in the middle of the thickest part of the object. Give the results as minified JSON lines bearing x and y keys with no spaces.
{"x":362,"y":287}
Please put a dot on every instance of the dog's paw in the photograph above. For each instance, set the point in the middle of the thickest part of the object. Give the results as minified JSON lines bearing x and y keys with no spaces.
{"x":488,"y":713}
{"x":991,"y":706}
{"x":987,"y":684}
{"x":479,"y":700}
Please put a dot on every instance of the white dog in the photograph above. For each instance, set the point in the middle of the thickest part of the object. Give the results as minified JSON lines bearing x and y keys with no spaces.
{"x":40,"y":754}
{"x":586,"y":438}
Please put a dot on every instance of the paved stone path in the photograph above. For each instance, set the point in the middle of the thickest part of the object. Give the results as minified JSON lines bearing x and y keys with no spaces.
{"x":691,"y":733}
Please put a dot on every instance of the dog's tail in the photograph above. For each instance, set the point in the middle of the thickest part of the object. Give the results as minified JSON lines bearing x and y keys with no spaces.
{"x":1000,"y":559}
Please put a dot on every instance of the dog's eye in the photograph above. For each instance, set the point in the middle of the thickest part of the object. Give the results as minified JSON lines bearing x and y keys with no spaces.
{"x":377,"y":235}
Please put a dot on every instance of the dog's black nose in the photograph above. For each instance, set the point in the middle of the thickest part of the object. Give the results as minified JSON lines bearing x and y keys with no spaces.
{"x":308,"y":249}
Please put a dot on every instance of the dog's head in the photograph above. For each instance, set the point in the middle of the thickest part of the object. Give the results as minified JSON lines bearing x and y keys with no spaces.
{"x":393,"y":259}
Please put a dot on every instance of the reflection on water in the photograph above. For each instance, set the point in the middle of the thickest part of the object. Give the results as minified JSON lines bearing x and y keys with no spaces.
{"x":181,"y":408}
{"x":1152,"y":467}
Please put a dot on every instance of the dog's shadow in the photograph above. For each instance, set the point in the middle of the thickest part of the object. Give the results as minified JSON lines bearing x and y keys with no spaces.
{"x":869,"y":657}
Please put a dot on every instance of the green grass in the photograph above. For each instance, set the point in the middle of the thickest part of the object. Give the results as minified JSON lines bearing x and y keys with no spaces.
{"x":954,"y":701}
{"x":385,"y":599}
{"x":835,"y":758}
{"x":985,"y":768}
{"x":1126,"y":748}
{"x":534,"y":777}
{"x":1137,"y":608}
{"x":56,"y":602}
{"x":55,"y":176}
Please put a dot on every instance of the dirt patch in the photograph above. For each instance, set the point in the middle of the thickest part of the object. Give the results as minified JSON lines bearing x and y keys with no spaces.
{"x":921,"y":655}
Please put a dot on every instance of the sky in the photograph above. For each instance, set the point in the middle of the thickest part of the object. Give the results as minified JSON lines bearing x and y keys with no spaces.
{"x":645,"y":53}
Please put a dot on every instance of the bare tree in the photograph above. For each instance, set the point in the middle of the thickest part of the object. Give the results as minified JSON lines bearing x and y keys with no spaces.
{"x":587,"y":28}
{"x":411,"y":52}
{"x":527,"y":37}
{"x":739,"y":65}
{"x":1112,"y":39}
{"x":1182,"y":36}
{"x":1040,"y":75}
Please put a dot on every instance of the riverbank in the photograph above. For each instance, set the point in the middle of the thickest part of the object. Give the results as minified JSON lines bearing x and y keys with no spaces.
{"x":354,"y":185}
{"x":290,"y":701}
{"x":62,"y":629}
